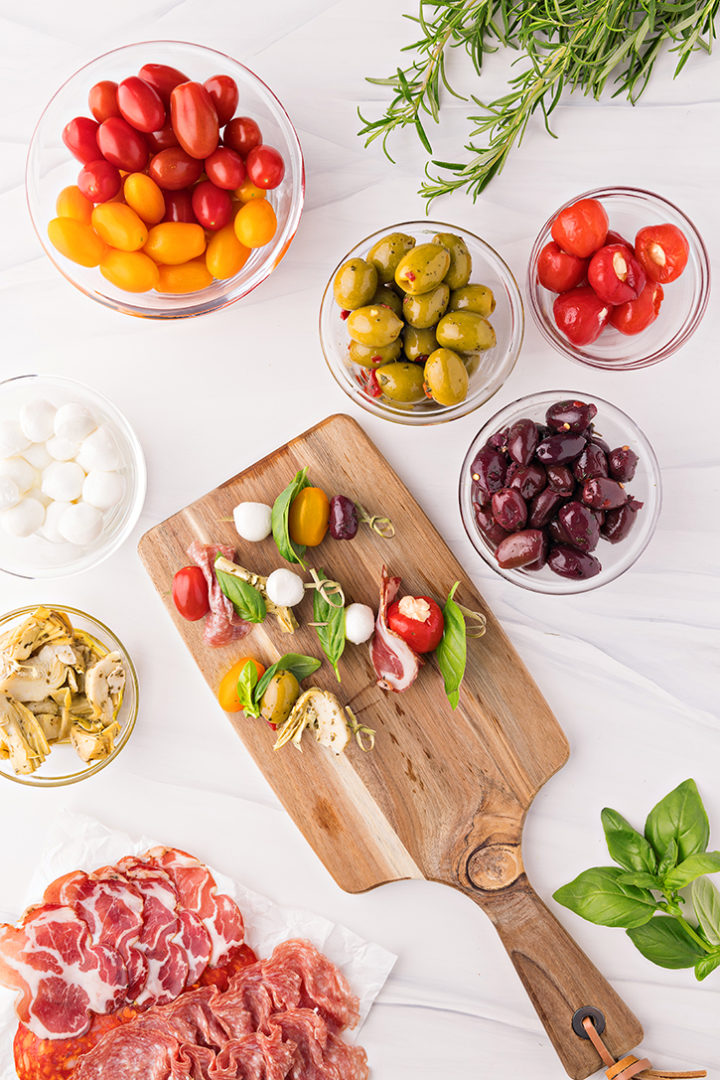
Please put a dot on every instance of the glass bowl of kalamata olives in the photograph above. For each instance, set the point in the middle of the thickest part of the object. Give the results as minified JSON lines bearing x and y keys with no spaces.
{"x":560,"y":492}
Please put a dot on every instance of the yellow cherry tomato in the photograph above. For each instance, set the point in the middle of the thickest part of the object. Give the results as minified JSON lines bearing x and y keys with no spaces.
{"x":72,"y":203}
{"x":309,"y":517}
{"x":175,"y":242}
{"x":129,"y":270}
{"x":186,"y":278}
{"x":227,"y":691}
{"x":255,"y":223}
{"x":119,"y":226}
{"x":145,"y":197}
{"x":247,"y":191}
{"x":76,"y":240}
{"x":225,"y":255}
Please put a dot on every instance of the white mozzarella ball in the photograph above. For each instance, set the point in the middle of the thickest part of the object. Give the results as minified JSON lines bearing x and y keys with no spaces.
{"x":61,"y":449}
{"x":12,"y":439}
{"x":73,"y":421}
{"x":359,"y":623}
{"x":37,"y":418}
{"x":25,"y":518}
{"x":285,"y":588}
{"x":63,"y":480}
{"x":103,"y":489}
{"x":9,"y":493}
{"x":38,"y":456}
{"x":253,"y":521}
{"x":19,"y":471}
{"x":99,"y":452}
{"x":51,"y":525}
{"x":80,"y":524}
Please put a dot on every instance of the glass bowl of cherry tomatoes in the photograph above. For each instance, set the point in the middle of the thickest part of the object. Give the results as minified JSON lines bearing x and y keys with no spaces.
{"x":165,"y":179}
{"x":618,"y":278}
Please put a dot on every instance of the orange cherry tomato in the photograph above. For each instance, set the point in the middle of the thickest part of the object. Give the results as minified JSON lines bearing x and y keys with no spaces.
{"x":175,"y":242}
{"x":119,"y":226}
{"x":255,"y":223}
{"x":102,"y":100}
{"x":129,"y":270}
{"x":76,"y":240}
{"x":227,"y":691}
{"x":247,"y":191}
{"x":188,"y":277}
{"x":145,"y":197}
{"x":309,"y":517}
{"x":225,"y":255}
{"x":72,"y":203}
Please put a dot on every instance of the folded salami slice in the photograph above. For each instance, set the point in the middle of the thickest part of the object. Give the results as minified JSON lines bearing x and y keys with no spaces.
{"x":395,"y":663}
{"x":223,"y":625}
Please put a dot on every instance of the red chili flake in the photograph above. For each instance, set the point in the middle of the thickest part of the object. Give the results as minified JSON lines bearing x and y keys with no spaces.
{"x":426,"y":390}
{"x":410,"y":276}
{"x":373,"y":386}
{"x":344,"y":314}
{"x":376,"y":359}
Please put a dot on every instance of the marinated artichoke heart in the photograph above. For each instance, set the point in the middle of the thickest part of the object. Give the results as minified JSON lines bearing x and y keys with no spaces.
{"x":285,"y":618}
{"x":322,"y":713}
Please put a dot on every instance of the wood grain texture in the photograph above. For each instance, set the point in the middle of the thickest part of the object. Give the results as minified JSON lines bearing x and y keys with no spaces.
{"x":445,"y":793}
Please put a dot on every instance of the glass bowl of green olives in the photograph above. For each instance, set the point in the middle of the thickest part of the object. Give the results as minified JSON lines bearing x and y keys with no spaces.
{"x":421,"y":322}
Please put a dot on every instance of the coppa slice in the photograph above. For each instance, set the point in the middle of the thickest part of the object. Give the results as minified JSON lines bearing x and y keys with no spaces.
{"x":223,"y":625}
{"x":395,"y":663}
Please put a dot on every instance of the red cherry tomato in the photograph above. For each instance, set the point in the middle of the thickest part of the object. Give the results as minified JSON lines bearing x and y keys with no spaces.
{"x":663,"y":251}
{"x":190,"y":593}
{"x":418,"y":621}
{"x":162,"y":78}
{"x":558,"y":271}
{"x":581,"y":229}
{"x":224,"y":93}
{"x":99,"y":181}
{"x":242,"y":135}
{"x":178,"y":206}
{"x":81,"y":138}
{"x":122,"y":145}
{"x":616,"y":275}
{"x":212,"y":206}
{"x":162,"y":139}
{"x":140,"y":104}
{"x":581,"y":315}
{"x":265,"y":166}
{"x":636,"y":315}
{"x":102,"y":100}
{"x":225,"y":168}
{"x":194,"y":119}
{"x":173,"y":169}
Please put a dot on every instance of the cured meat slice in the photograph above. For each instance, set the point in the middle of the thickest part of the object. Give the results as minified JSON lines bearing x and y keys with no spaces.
{"x":223,"y":624}
{"x":196,"y":943}
{"x":297,"y":974}
{"x":256,"y":1057}
{"x":395,"y":663}
{"x":56,"y":1059}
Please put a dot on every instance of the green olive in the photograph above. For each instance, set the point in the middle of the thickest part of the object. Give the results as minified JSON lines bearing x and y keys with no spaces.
{"x":387,"y":253}
{"x":464,"y":331}
{"x":445,"y":377}
{"x":460,"y":259}
{"x":386,"y":295}
{"x":477,"y":298}
{"x":401,"y":382}
{"x":355,"y":284}
{"x":373,"y":355}
{"x":374,"y":325}
{"x":426,"y":309}
{"x":422,"y":268}
{"x":280,"y":695}
{"x":419,"y":343}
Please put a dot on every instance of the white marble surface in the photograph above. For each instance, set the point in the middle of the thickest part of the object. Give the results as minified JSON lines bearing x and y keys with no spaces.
{"x":630,"y":670}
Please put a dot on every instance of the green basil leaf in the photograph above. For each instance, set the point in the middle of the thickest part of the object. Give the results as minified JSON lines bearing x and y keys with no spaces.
{"x":706,"y":903}
{"x":669,"y":859}
{"x":331,"y":632}
{"x":641,"y":878}
{"x":680,"y":816}
{"x":247,"y":682}
{"x":245,"y":598}
{"x":598,"y":896}
{"x":691,"y":868}
{"x":706,"y":965}
{"x":300,"y":665}
{"x":664,"y":941}
{"x":451,"y":653}
{"x":280,"y":516}
{"x":626,"y":845}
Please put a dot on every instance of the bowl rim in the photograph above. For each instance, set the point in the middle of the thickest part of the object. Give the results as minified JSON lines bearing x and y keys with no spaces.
{"x":266,"y":267}
{"x":74,"y":778}
{"x":678,"y":337}
{"x":445,"y":414}
{"x":563,"y":586}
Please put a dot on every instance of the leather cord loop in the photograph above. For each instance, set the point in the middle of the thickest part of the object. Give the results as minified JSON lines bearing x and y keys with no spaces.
{"x":629,"y":1067}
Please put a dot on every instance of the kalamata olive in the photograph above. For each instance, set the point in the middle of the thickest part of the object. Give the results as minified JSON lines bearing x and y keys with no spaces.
{"x":580,"y":526}
{"x":488,"y":526}
{"x":559,"y":449}
{"x":560,"y":479}
{"x":623,"y":463}
{"x":600,"y":442}
{"x":509,"y":509}
{"x":498,"y":441}
{"x":619,"y":522}
{"x":343,"y":518}
{"x":599,"y":515}
{"x":568,"y":562}
{"x":556,"y":532}
{"x":537,"y":564}
{"x":603,"y":494}
{"x":529,"y":480}
{"x":522,"y":440}
{"x":488,"y":470}
{"x":570,"y":416}
{"x":543,"y":508}
{"x":520,"y":548}
{"x":591,"y":463}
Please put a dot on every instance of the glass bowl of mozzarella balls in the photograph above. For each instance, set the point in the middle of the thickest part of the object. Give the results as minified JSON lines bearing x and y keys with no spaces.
{"x":72,"y":477}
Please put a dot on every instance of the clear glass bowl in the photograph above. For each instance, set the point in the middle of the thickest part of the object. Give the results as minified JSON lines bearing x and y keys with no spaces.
{"x":629,"y":210}
{"x":36,"y":557}
{"x":62,"y":765}
{"x":617,"y":429}
{"x":508,"y":320}
{"x":51,"y":167}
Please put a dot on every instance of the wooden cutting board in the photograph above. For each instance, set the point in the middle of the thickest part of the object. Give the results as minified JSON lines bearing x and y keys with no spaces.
{"x":444,"y":794}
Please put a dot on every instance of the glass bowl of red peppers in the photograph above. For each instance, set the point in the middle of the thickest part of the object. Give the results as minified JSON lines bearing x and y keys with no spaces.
{"x":620,"y":286}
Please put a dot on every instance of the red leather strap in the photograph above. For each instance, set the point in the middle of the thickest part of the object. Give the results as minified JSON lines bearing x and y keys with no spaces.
{"x":629,"y":1067}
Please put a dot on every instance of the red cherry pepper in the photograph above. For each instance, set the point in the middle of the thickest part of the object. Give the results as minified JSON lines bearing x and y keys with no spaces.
{"x":581,"y":229}
{"x":581,"y":315}
{"x":616,"y":275}
{"x":418,"y":620}
{"x":637,"y":315}
{"x":558,"y":271}
{"x":663,"y":251}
